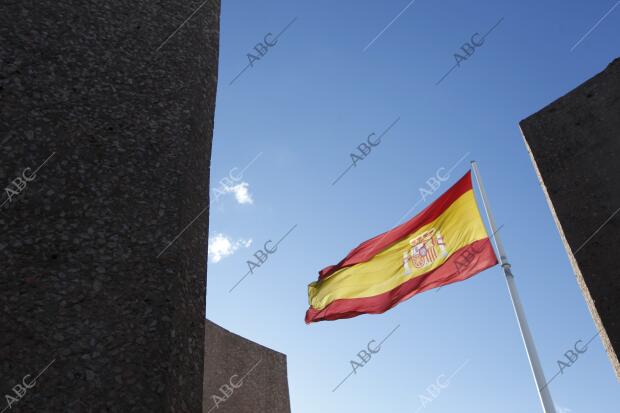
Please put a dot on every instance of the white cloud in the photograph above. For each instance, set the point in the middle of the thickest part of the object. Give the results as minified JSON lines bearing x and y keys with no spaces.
{"x":221,"y":246}
{"x":242,"y":193}
{"x":562,"y":409}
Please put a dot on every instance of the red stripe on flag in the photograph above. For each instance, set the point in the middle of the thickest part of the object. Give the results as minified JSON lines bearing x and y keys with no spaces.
{"x":368,"y":249}
{"x":463,"y":264}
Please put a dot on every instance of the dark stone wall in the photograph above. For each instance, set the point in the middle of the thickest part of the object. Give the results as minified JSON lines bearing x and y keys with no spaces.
{"x":126,"y":127}
{"x":575,"y":146}
{"x":242,"y":376}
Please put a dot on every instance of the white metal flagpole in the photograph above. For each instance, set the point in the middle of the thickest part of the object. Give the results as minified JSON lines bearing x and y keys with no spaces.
{"x":539,"y":376}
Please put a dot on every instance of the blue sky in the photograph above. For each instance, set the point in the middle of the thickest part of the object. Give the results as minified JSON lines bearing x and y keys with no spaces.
{"x":291,"y":120}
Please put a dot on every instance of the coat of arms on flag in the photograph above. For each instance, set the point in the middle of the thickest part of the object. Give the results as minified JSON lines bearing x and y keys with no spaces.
{"x":425,"y":249}
{"x":423,"y":253}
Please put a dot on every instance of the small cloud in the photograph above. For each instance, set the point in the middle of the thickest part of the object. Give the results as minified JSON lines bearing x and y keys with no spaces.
{"x":562,"y":409}
{"x":221,"y":246}
{"x":242,"y":194}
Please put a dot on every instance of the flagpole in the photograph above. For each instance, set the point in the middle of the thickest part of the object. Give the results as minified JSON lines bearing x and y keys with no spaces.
{"x":528,"y":340}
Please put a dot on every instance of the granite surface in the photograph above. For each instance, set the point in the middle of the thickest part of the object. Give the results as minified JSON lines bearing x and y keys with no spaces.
{"x":105,"y":143}
{"x":575,"y":146}
{"x":242,"y":376}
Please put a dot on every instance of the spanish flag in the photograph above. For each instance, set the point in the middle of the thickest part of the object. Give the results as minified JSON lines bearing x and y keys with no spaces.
{"x":445,"y":243}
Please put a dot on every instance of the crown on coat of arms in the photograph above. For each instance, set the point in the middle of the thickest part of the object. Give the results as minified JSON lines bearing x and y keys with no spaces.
{"x":424,"y":250}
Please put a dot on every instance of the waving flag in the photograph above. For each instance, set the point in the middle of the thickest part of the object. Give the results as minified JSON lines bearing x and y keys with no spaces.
{"x":445,"y":243}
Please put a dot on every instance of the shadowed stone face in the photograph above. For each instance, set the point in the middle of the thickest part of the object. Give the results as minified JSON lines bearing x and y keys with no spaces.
{"x":575,"y":147}
{"x":242,"y":376}
{"x":105,"y":143}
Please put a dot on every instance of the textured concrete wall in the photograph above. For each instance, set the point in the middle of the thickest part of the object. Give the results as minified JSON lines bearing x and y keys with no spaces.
{"x":126,"y":131}
{"x":575,"y":146}
{"x":242,"y":376}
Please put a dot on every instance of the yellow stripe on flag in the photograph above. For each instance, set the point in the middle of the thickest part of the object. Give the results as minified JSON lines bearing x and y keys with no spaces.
{"x":458,"y":226}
